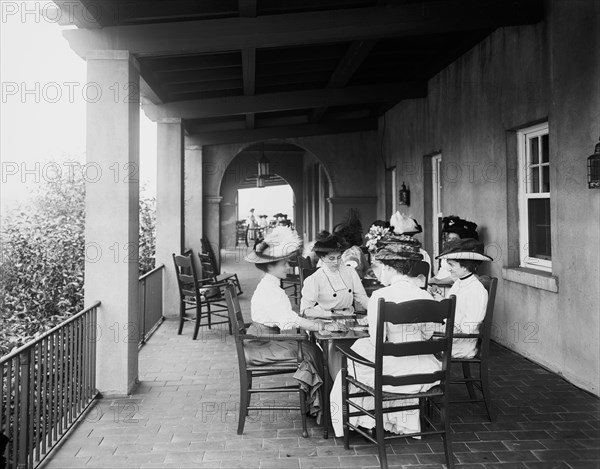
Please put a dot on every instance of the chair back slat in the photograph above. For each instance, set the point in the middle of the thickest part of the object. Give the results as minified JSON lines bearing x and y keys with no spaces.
{"x":187,"y":280}
{"x":415,"y":311}
{"x":485,"y":330}
{"x":208,"y":269}
{"x":405,"y":349}
{"x":237,"y":325}
{"x":423,"y":378}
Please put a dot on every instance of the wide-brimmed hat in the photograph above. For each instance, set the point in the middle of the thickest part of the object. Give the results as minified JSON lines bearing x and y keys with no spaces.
{"x":398,"y":247}
{"x":464,"y":249}
{"x":403,"y":224}
{"x":463,"y":228}
{"x":330,"y":243}
{"x":282,"y":242}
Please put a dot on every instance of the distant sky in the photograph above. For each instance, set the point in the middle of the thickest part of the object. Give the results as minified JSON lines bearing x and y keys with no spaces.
{"x":39,"y":121}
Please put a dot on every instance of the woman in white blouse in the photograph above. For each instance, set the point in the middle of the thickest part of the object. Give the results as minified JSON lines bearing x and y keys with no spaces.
{"x":272,"y":313}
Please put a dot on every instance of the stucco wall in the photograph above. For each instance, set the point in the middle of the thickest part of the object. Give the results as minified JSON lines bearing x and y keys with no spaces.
{"x":515,"y":77}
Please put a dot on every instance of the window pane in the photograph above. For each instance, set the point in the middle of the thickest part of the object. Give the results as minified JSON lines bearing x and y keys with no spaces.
{"x":534,"y":150}
{"x":534,"y":180}
{"x":545,"y":178}
{"x":539,"y":228}
{"x":545,"y":149}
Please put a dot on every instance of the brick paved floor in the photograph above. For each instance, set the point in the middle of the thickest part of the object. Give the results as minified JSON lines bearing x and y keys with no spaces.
{"x":183,"y":414}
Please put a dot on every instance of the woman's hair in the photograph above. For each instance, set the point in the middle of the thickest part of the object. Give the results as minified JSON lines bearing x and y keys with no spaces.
{"x":468,"y":264}
{"x":265,"y":265}
{"x":321,"y":254}
{"x":402,"y":266}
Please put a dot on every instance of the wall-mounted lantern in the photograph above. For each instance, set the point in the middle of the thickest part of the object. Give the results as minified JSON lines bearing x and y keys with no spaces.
{"x":593,"y":164}
{"x":403,"y":195}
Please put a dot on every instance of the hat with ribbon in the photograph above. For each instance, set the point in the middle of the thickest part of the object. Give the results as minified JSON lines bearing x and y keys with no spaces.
{"x":330,"y":243}
{"x":282,"y":242}
{"x":464,"y":249}
{"x":463,"y":228}
{"x":403,"y":224}
{"x":398,"y":247}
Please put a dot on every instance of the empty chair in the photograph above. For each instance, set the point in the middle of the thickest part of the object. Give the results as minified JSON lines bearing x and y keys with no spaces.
{"x":480,"y":360}
{"x":209,"y":271}
{"x":363,"y":392}
{"x":248,"y":373}
{"x":204,"y":296}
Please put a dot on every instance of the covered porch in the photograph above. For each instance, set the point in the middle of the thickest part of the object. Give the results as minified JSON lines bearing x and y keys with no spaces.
{"x":183,"y":414}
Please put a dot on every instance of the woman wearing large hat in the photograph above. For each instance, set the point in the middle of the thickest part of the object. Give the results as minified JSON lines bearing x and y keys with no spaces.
{"x":334,"y":286}
{"x":395,"y":261}
{"x":463,"y":257}
{"x":272,"y":313}
{"x":454,"y":228}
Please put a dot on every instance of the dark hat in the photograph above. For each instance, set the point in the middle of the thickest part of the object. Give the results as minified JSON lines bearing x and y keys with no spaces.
{"x":396,"y":247}
{"x":330,"y":243}
{"x":463,"y":228}
{"x":465,"y":249}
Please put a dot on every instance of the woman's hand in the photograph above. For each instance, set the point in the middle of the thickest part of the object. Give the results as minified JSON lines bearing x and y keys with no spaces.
{"x":436,"y":293}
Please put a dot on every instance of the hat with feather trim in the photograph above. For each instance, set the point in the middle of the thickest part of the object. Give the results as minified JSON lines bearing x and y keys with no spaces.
{"x":463,"y":228}
{"x":403,"y":224}
{"x":464,"y":249}
{"x":398,"y":247}
{"x":282,"y":242}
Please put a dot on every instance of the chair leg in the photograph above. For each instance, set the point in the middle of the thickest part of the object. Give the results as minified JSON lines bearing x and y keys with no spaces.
{"x":447,"y":436}
{"x":345,"y":409}
{"x":380,"y":435}
{"x":485,"y":390}
{"x":303,"y":412}
{"x":245,"y":384}
{"x":198,"y":321}
{"x":208,"y":313}
{"x":181,"y":315}
{"x":467,"y":375}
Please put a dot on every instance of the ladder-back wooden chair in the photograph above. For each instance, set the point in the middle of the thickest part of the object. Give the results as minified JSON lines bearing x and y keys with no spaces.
{"x":204,"y":296}
{"x":209,"y":271}
{"x":481,"y":380}
{"x":409,"y":312}
{"x":248,"y":373}
{"x":292,"y":282}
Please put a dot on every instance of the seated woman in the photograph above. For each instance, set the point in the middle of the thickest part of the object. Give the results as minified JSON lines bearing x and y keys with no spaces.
{"x":394,"y":262}
{"x":454,"y":228}
{"x":351,"y":231}
{"x":334,"y":287}
{"x":463,"y":257}
{"x":272,"y":313}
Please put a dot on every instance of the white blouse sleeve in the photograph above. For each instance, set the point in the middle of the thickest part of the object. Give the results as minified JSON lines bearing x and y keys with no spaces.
{"x":372,"y":317}
{"x":470,"y":309}
{"x":359,"y":290}
{"x":309,"y":293}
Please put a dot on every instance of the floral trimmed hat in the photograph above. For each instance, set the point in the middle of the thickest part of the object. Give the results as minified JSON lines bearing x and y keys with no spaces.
{"x":465,"y":249}
{"x":399,"y":247}
{"x":279,"y":244}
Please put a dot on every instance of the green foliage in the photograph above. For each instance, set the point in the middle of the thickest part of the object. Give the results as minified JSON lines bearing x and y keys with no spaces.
{"x":42,"y":259}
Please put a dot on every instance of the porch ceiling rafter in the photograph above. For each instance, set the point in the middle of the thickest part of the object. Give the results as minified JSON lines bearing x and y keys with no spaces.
{"x":214,"y":35}
{"x":272,"y":102}
{"x":197,"y":137}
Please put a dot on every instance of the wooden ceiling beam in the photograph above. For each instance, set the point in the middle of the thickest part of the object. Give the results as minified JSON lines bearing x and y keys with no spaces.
{"x":354,"y":57}
{"x":203,"y":36}
{"x":247,"y":8}
{"x":304,"y":99}
{"x":196,"y":137}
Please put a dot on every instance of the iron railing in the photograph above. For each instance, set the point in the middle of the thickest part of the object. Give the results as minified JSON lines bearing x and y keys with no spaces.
{"x":150,"y":312}
{"x":47,"y":385}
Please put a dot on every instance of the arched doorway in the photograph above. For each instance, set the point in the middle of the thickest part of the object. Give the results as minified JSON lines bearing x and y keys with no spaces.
{"x":289,"y":165}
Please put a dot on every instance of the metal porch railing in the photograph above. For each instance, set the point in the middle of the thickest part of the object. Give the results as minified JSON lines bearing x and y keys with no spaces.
{"x":150,"y":312}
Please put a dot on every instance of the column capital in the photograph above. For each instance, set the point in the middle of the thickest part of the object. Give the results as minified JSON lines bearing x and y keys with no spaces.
{"x":213,"y":199}
{"x":111,"y":54}
{"x":193,"y":147}
{"x":169,"y":120}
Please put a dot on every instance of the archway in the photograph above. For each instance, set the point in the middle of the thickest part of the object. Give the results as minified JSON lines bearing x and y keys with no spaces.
{"x":289,"y":165}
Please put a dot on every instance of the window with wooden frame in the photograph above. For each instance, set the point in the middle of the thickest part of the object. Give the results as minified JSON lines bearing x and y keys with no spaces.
{"x":534,"y":198}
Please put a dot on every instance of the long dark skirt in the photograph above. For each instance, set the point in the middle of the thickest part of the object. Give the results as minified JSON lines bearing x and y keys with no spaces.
{"x":269,"y":352}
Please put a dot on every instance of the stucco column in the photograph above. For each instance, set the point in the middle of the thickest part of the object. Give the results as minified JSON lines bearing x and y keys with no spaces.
{"x":169,"y":207}
{"x":112,"y":215}
{"x":212,"y":223}
{"x":193,"y":197}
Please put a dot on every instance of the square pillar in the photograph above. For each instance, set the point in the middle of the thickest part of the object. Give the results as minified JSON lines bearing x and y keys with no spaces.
{"x":193,"y":198}
{"x":112,"y":215}
{"x":212,"y":226}
{"x":169,"y":207}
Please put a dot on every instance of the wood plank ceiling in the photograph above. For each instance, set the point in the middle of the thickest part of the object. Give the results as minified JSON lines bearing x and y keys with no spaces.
{"x":248,"y":70}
